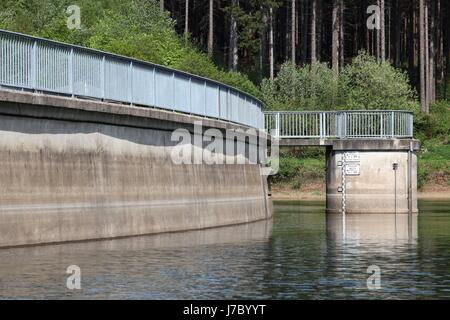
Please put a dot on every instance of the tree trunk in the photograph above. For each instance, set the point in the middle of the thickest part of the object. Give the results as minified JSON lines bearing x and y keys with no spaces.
{"x":233,"y":51}
{"x":186,"y":20}
{"x":211,"y":28}
{"x":263,"y":43}
{"x":335,"y":37}
{"x":412,"y":46}
{"x":423,"y":99}
{"x":341,"y":35}
{"x":271,"y":57}
{"x":320,"y":28}
{"x":378,"y":36}
{"x":304,"y":33}
{"x":389,"y":33}
{"x":287,"y":33}
{"x":161,"y":5}
{"x":440,"y":44}
{"x":432,"y":33}
{"x":368,"y":40}
{"x":293,"y":30}
{"x":427,"y":59}
{"x":313,"y":30}
{"x":382,"y":32}
{"x":447,"y":80}
{"x":397,"y":42}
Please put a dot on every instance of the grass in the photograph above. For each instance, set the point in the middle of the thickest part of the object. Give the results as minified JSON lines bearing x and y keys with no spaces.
{"x":296,"y":172}
{"x":434,"y":165}
{"x":308,"y":168}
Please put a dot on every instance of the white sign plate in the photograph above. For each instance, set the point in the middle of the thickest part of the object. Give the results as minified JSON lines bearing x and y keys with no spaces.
{"x":352,"y":156}
{"x":352,"y":169}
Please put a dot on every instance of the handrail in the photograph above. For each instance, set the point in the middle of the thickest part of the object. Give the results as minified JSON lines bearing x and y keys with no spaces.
{"x":354,"y":124}
{"x":38,"y":64}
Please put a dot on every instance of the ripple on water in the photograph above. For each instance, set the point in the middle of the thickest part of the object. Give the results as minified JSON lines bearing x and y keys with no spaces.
{"x":299,"y":254}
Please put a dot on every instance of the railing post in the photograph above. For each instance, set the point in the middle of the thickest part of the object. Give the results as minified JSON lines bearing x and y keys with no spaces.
{"x":277,"y":124}
{"x":71,"y":72}
{"x":218,"y":102}
{"x":245,"y":111}
{"x":103,"y":75}
{"x":345,"y":126}
{"x":154,"y":87}
{"x":34,"y":66}
{"x":190,"y":95}
{"x":173,"y":91}
{"x":411,"y":125}
{"x":381,"y":125}
{"x":338,"y":124}
{"x":392,"y":124}
{"x":321,"y":125}
{"x":130,"y":83}
{"x":204,"y":94}
{"x":229,"y":106}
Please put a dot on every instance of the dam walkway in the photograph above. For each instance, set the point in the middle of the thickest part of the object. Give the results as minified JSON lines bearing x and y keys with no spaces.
{"x":312,"y":127}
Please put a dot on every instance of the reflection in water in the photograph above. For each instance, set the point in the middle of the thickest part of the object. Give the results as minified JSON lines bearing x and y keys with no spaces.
{"x":136,"y":267}
{"x":301,"y":253}
{"x":387,"y":228}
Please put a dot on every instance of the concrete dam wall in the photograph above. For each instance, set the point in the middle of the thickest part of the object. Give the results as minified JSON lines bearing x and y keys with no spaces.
{"x":76,"y":170}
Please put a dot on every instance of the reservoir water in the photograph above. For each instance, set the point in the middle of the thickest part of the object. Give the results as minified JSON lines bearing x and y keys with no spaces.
{"x":299,"y":254}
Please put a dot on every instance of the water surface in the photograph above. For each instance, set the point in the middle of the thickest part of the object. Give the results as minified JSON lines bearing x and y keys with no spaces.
{"x":299,"y":254}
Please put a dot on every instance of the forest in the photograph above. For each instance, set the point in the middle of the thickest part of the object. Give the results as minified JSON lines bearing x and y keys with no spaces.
{"x":291,"y":54}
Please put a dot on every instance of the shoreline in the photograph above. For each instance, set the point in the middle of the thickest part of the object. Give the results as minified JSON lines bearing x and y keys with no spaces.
{"x":284,"y":195}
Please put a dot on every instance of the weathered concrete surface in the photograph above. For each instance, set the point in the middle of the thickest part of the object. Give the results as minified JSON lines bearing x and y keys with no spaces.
{"x":70,"y":171}
{"x":353,"y":144}
{"x":374,"y":189}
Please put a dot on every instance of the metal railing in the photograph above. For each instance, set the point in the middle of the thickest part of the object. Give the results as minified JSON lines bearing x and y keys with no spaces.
{"x":340,"y":124}
{"x":31,"y":63}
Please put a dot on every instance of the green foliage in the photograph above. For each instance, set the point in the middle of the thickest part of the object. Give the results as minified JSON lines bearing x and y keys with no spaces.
{"x":434,"y":166}
{"x":363,"y":84}
{"x":135,"y":28}
{"x":433,"y":131}
{"x":434,"y":127}
{"x":443,"y":90}
{"x":369,"y":85}
{"x":312,"y":87}
{"x":296,"y":171}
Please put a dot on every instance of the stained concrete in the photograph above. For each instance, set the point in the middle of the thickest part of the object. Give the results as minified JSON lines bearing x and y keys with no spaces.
{"x":79,"y":170}
{"x":374,"y":190}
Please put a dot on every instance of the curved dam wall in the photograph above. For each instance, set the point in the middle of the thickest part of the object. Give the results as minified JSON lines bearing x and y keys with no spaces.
{"x":76,"y":170}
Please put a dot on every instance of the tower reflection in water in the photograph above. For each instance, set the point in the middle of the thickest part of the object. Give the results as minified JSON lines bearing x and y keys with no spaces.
{"x":388,"y":229}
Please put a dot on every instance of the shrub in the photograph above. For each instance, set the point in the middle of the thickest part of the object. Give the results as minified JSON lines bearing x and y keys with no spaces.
{"x":363,"y":84}
{"x":368,"y":84}
{"x":311,"y":87}
{"x":434,"y":126}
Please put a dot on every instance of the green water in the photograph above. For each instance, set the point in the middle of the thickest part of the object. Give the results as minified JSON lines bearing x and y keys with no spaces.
{"x":299,"y":254}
